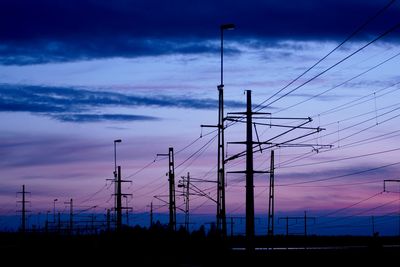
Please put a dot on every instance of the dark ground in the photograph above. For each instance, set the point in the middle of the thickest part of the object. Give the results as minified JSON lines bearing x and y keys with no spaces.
{"x":160,"y":247}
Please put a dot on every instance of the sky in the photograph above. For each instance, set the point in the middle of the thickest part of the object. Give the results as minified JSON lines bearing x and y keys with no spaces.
{"x":76,"y":75}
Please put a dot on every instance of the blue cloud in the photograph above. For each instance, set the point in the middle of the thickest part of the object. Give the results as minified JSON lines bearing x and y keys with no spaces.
{"x":101,"y":117}
{"x":42,"y":31}
{"x":77,"y":105}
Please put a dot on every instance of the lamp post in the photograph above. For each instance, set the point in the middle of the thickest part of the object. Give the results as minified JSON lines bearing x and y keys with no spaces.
{"x":221,"y":214}
{"x":229,"y":26}
{"x":115,"y":155}
{"x":115,"y":172}
{"x":54,"y":210}
{"x":127,"y":210}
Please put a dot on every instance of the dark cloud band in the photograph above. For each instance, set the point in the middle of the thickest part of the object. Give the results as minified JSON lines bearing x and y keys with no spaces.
{"x":42,"y":31}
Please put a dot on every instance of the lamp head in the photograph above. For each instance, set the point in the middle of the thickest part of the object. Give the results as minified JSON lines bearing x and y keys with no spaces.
{"x":118,"y":141}
{"x":229,"y":26}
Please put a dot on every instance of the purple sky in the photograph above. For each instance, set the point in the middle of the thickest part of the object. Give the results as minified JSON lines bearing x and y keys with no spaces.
{"x":75,"y":75}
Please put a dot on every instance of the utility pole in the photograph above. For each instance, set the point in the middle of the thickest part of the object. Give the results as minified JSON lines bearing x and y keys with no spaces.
{"x":184,"y":184}
{"x":251,"y":145}
{"x":250,"y":231}
{"x":171,"y":180}
{"x":221,"y":211}
{"x":23,"y":208}
{"x":373,"y":225}
{"x":221,"y":221}
{"x":59,"y":222}
{"x":249,"y":170}
{"x":187,"y":219}
{"x":126,"y":211}
{"x":118,"y":197}
{"x":71,"y":214}
{"x":271,"y":197}
{"x":232,"y":226}
{"x":384,"y":190}
{"x":305,"y":223}
{"x":119,"y":200}
{"x":47,"y":222}
{"x":287,"y":226}
{"x":187,"y":194}
{"x":151,"y":214}
{"x":116,"y":141}
{"x":108,"y":220}
{"x":304,"y":218}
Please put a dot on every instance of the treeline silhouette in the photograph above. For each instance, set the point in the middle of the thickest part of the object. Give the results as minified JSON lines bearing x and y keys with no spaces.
{"x":159,"y":246}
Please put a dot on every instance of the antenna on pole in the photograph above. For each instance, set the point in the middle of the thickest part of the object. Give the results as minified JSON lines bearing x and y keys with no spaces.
{"x":23,"y":208}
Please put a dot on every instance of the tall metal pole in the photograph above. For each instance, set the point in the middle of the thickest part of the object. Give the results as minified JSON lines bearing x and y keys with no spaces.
{"x":23,"y":208}
{"x":108,"y":220}
{"x":221,"y":146}
{"x":54,"y":210}
{"x":287,"y":226}
{"x":115,"y":173}
{"x":127,"y":210}
{"x":71,"y":216}
{"x":171,"y":179}
{"x":47,"y":221}
{"x":23,"y":226}
{"x":305,"y":223}
{"x":222,"y":55}
{"x":119,"y":200}
{"x":231,"y":226}
{"x":373,"y":225}
{"x":151,"y":214}
{"x":384,"y":190}
{"x":249,"y":171}
{"x":221,"y":214}
{"x":271,"y":197}
{"x":59,"y":222}
{"x":221,"y":211}
{"x":187,"y":193}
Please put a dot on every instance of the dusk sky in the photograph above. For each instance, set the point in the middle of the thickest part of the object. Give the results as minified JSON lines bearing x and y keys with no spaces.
{"x":76,"y":75}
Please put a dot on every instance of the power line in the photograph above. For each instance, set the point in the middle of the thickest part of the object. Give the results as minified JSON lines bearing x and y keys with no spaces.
{"x":346,"y":105}
{"x":340,"y":176}
{"x":338,"y":85}
{"x":341,"y":159}
{"x":352,"y":205}
{"x":320,"y":225}
{"x":334,"y":65}
{"x":359,"y":123}
{"x":339,"y":185}
{"x":197,"y":151}
{"x":327,"y":55}
{"x":368,"y":140}
{"x":361,"y":115}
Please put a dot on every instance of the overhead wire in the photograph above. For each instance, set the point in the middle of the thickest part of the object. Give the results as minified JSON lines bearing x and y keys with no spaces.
{"x":354,"y":33}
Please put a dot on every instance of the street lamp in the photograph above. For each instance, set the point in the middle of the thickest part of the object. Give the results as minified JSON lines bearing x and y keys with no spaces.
{"x":115,"y":155}
{"x":229,"y":26}
{"x":54,"y":209}
{"x":115,"y":171}
{"x":221,"y":214}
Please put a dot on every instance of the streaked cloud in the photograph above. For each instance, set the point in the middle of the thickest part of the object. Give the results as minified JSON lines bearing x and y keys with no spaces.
{"x":78,"y":105}
{"x":101,"y":117}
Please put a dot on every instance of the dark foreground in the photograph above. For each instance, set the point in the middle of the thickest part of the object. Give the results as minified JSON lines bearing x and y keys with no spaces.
{"x":158,"y":247}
